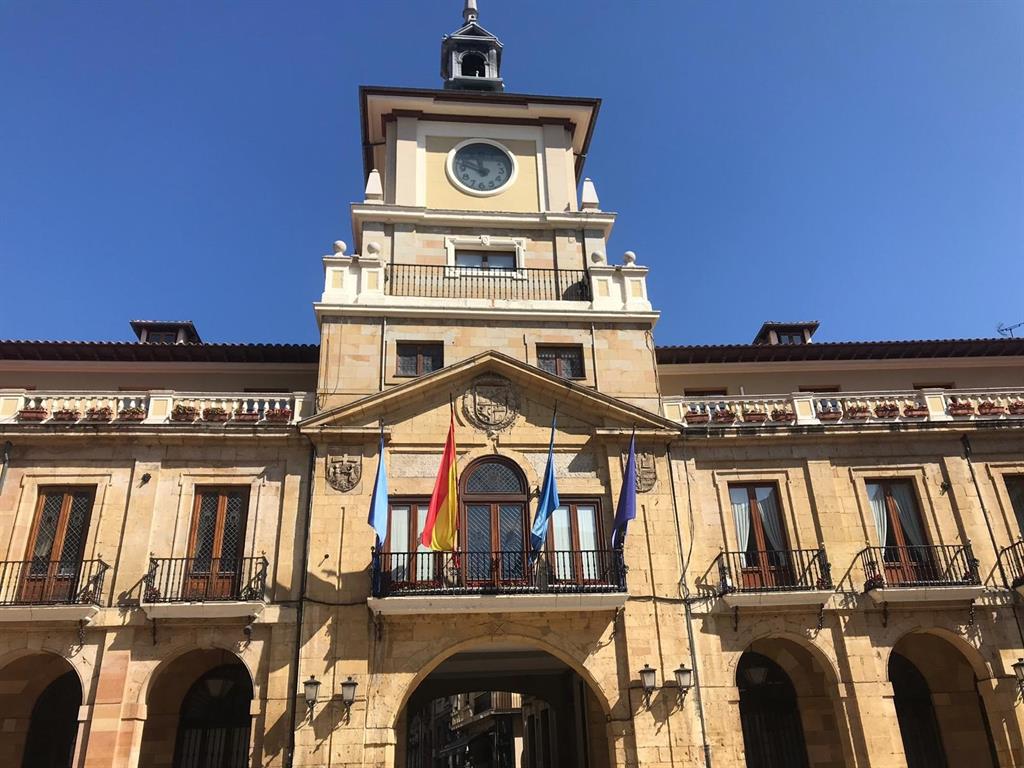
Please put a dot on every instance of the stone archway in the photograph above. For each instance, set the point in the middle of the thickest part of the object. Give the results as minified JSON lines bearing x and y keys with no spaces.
{"x":40,"y":700}
{"x":502,"y":706}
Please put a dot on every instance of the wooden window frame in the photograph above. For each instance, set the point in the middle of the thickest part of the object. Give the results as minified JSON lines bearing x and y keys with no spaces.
{"x":905,"y":566}
{"x":53,"y":581}
{"x":773,"y":567}
{"x":222,"y":492}
{"x":575,"y":348}
{"x":601,"y":558}
{"x":419,"y":345}
{"x":68,"y":492}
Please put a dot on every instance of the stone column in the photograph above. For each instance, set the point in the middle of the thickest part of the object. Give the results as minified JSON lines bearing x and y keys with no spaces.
{"x":999,"y":696}
{"x":874,"y":732}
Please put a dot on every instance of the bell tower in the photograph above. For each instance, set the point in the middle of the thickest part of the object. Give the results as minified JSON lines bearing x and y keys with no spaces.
{"x":471,"y":56}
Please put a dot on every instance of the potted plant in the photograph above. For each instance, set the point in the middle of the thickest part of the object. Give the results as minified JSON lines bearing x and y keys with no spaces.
{"x":755,"y":417}
{"x":246,"y":416}
{"x":132,"y":413}
{"x":915,"y":411}
{"x":875,"y":581}
{"x":216,"y":413}
{"x":859,"y":412}
{"x":724,"y":416}
{"x":1016,"y":407}
{"x":782,"y":414}
{"x":697,"y":417}
{"x":960,"y":408}
{"x":65,"y":414}
{"x":988,"y":408}
{"x":887,"y":411}
{"x":832,"y":414}
{"x":99,"y":413}
{"x":184,"y":413}
{"x":278,"y":415}
{"x":35,"y":413}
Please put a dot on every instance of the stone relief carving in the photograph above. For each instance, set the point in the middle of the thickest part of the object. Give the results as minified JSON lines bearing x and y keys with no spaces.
{"x":491,"y":403}
{"x":580,"y":465}
{"x":646,"y":470}
{"x":344,"y":472}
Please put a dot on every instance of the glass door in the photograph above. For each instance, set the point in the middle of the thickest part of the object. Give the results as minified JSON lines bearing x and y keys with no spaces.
{"x":214,"y":570}
{"x":56,"y":546}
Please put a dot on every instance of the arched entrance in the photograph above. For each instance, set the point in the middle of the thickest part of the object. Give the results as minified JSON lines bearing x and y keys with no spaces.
{"x":199,"y":713}
{"x":941,"y":716}
{"x":788,"y":710}
{"x":504,"y":707}
{"x":41,"y":698}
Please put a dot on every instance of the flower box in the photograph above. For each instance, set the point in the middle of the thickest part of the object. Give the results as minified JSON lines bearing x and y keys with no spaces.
{"x":32,"y":414}
{"x":66,"y":414}
{"x":991,"y":409}
{"x":135,"y":413}
{"x":1017,"y":407}
{"x":279,"y":415}
{"x":697,"y":417}
{"x":830,"y":415}
{"x":859,"y":412}
{"x":874,"y":582}
{"x":101,"y":413}
{"x":782,"y":414}
{"x":755,"y":417}
{"x":216,"y":414}
{"x":246,"y":416}
{"x":724,"y":417}
{"x":915,"y":411}
{"x":960,"y":408}
{"x":887,"y":411}
{"x":184,"y":413}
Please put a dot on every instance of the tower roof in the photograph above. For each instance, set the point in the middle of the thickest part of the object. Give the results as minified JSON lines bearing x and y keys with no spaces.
{"x":471,"y":56}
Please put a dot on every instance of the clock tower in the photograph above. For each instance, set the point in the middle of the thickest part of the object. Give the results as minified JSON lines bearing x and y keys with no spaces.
{"x":478,"y":232}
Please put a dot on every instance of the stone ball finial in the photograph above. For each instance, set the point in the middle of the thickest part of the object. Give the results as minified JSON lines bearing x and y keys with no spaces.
{"x":339,"y":247}
{"x":597,"y":257}
{"x":373,"y":248}
{"x":629,"y":258}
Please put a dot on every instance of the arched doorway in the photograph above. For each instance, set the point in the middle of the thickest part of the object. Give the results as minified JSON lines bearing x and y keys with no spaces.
{"x":941,"y":716}
{"x":40,"y":699}
{"x":773,"y":736}
{"x":508,"y":706}
{"x":198,"y":713}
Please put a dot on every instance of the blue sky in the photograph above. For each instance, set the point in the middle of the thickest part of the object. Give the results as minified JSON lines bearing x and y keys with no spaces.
{"x":858,"y":163}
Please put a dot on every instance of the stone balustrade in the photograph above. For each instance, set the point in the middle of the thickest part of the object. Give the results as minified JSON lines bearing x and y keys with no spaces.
{"x":20,"y":406}
{"x":814,"y":408}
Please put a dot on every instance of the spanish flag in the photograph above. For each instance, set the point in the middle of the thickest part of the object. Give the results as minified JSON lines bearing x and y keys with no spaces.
{"x":439,"y":530}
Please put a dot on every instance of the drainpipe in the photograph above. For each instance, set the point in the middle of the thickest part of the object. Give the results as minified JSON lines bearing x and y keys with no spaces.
{"x":293,"y":685}
{"x":6,"y":454}
{"x":685,"y":590}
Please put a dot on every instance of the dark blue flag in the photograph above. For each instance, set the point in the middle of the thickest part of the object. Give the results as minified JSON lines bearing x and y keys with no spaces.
{"x":626,"y":510}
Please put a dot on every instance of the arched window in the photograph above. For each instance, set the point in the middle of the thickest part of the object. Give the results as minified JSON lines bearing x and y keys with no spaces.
{"x":494,"y":520}
{"x":922,"y":742}
{"x":53,"y":729}
{"x":773,"y":736}
{"x":474,"y":65}
{"x":214,"y":724}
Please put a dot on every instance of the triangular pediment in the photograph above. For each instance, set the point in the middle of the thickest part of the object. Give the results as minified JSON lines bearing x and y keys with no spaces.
{"x":487,"y":376}
{"x":476,"y":31}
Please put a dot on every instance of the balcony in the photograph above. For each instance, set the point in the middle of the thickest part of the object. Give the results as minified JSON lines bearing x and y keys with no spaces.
{"x":932,"y":572}
{"x":47,"y":590}
{"x":119,"y":409}
{"x":1011,"y":565}
{"x":449,"y":282}
{"x":190,"y":587}
{"x":775,"y":579}
{"x":879,"y":409}
{"x":481,"y":582}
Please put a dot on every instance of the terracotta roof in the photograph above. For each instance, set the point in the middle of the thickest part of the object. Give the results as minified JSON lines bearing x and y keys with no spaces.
{"x":133,"y":351}
{"x":839,"y":350}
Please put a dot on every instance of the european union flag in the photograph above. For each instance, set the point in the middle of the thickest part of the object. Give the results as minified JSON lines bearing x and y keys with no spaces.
{"x":548,"y":501}
{"x":626,"y":510}
{"x":379,"y":503}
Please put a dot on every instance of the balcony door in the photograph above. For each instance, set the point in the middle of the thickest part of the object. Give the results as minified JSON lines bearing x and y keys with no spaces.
{"x":573,"y":541}
{"x":214,"y":567}
{"x":906,"y":557}
{"x":764,"y":549}
{"x":493,"y":526}
{"x":56,"y":545}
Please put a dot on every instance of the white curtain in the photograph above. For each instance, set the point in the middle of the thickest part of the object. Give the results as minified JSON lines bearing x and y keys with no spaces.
{"x":909,"y":519}
{"x":876,"y":495}
{"x":771,"y":520}
{"x":1016,"y":488}
{"x":741,"y":513}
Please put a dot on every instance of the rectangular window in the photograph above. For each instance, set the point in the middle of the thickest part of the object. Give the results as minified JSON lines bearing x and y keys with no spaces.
{"x":407,"y":558}
{"x":763,"y":557}
{"x":713,"y":392}
{"x":791,"y":337}
{"x":907,"y":558}
{"x":940,"y":385}
{"x":564,"y":361}
{"x":419,"y":358}
{"x":1015,"y":487}
{"x":487,"y":260}
{"x":819,"y":388}
{"x":57,"y":544}
{"x":574,"y":542}
{"x":217,"y":542}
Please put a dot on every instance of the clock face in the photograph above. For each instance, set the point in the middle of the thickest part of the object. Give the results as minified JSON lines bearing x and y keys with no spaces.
{"x":481,"y":167}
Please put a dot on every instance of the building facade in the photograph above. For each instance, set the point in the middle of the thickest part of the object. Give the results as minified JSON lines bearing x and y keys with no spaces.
{"x":824,"y":569}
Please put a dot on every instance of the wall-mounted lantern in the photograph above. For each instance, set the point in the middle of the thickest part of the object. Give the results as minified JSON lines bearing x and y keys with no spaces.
{"x":648,"y":681}
{"x":310,"y":689}
{"x":684,"y":680}
{"x":1018,"y":672}
{"x":348,"y":692}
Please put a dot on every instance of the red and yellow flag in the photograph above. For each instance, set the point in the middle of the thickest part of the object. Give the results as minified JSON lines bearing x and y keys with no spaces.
{"x":439,"y":529}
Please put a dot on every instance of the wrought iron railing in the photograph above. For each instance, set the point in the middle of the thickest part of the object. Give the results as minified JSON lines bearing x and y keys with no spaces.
{"x":508,"y":572}
{"x":929,"y":565}
{"x":774,"y":571}
{"x":52,"y":582}
{"x":194,"y":579}
{"x":1011,"y":564}
{"x":449,"y":282}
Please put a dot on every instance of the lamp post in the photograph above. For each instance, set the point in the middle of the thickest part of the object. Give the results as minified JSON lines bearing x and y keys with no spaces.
{"x":310,"y":689}
{"x":648,"y":681}
{"x":684,"y":680}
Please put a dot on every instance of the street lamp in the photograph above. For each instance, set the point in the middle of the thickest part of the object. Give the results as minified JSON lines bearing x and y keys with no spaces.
{"x":1018,"y":671}
{"x":684,"y":680}
{"x":648,"y":680}
{"x":348,"y":692}
{"x":310,"y":689}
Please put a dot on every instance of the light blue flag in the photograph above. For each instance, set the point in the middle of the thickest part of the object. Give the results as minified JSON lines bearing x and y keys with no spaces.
{"x":379,"y":503}
{"x":548,"y":501}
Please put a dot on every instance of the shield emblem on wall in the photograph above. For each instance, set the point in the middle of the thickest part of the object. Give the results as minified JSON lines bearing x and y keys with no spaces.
{"x":344,"y":472}
{"x":491,"y":403}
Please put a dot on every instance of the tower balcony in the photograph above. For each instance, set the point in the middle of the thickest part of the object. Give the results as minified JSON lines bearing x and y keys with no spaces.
{"x":452,"y":282}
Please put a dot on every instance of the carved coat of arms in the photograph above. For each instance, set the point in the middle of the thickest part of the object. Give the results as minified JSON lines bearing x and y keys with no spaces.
{"x":344,"y":472}
{"x":491,"y":403}
{"x":646,"y":470}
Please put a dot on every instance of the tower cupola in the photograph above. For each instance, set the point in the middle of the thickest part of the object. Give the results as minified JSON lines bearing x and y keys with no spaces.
{"x":471,"y":56}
